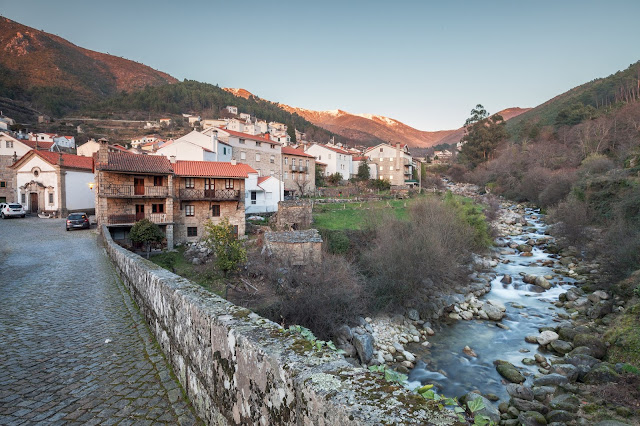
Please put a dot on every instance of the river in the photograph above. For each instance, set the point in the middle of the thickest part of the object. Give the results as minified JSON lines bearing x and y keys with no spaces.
{"x":454,"y":373}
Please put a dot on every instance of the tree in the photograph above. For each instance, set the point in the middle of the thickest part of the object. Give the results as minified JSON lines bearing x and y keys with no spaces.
{"x":291,"y":131}
{"x":147,"y":232}
{"x":222,"y":239}
{"x":363,"y":170}
{"x":334,"y":179}
{"x":319,"y":177}
{"x":482,"y":135}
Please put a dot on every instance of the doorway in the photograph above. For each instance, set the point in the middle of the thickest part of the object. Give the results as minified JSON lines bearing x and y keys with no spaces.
{"x":33,"y":202}
{"x":139,"y":212}
{"x":138,"y":186}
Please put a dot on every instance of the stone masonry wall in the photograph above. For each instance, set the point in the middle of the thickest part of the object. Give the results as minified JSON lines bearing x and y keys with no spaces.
{"x":8,"y":176}
{"x":239,"y":368}
{"x":231,"y":210}
{"x":295,"y":247}
{"x":294,"y":214}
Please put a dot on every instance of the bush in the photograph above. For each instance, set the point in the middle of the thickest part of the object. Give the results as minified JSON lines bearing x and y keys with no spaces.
{"x":319,"y":297}
{"x":472,"y":214}
{"x":380,"y":184}
{"x":334,"y":179}
{"x":146,"y":232}
{"x":426,"y":253}
{"x":595,"y":164}
{"x":570,"y":219}
{"x":222,"y":240}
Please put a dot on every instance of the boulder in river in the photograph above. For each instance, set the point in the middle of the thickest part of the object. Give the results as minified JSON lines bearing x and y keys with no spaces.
{"x":532,"y":418}
{"x":594,"y":342}
{"x":566,"y":402}
{"x":561,"y":347}
{"x":508,"y":371}
{"x":520,"y":391}
{"x":553,"y":379}
{"x":547,"y":337}
{"x":524,"y":405}
{"x":601,"y":373}
{"x":364,"y":346}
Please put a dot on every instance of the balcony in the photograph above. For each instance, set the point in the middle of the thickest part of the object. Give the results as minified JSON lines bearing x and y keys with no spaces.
{"x":133,"y":191}
{"x":209,"y":194}
{"x":130,"y":219}
{"x":294,"y":168}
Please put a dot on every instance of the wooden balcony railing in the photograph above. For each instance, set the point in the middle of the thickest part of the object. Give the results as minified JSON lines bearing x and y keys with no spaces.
{"x":209,"y":194}
{"x":122,"y":219}
{"x":133,"y":191}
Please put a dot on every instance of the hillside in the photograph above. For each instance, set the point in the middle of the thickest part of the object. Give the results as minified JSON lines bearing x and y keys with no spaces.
{"x":205,"y":99}
{"x":371,"y":129}
{"x":601,"y":94}
{"x":56,"y":76}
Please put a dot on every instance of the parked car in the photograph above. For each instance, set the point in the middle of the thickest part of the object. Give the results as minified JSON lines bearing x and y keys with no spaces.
{"x":78,"y":220}
{"x":11,"y":210}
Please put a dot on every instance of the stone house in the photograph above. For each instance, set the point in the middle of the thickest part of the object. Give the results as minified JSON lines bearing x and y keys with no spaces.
{"x":393,"y":163}
{"x":179,"y":196}
{"x":296,"y":248}
{"x":299,"y":172}
{"x":54,"y":182}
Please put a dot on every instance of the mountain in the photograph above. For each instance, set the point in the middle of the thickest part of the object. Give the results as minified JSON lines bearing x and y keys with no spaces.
{"x":370,"y":129}
{"x":592,"y":98}
{"x":57,"y":76}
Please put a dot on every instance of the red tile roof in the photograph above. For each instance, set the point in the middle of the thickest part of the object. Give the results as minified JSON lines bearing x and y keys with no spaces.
{"x":69,"y":161}
{"x":136,"y":163}
{"x":320,"y":163}
{"x":359,"y":158}
{"x":262,"y":179}
{"x":335,"y":149}
{"x":212,"y":169}
{"x":250,"y":137}
{"x":41,"y":145}
{"x":120,"y":147}
{"x":294,"y":151}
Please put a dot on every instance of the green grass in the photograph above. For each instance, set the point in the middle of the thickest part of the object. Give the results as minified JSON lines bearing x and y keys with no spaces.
{"x":353,"y":215}
{"x":624,"y":337}
{"x":203,"y":275}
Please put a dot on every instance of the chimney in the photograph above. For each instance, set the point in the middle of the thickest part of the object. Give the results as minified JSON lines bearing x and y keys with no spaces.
{"x":172,"y":159}
{"x":103,"y":152}
{"x":59,"y":159}
{"x":234,"y":162}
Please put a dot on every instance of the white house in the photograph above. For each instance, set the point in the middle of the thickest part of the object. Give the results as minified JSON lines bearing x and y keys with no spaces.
{"x":196,"y":146}
{"x":194,"y":120}
{"x":261,"y":194}
{"x":50,"y":181}
{"x":261,"y":127}
{"x":138,"y":142}
{"x":64,"y":141}
{"x":236,"y":125}
{"x":337,"y":159}
{"x":245,"y":116}
{"x":42,"y":137}
{"x":355,"y":166}
{"x":232,"y":110}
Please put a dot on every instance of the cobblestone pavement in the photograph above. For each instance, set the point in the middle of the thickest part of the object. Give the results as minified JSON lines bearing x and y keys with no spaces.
{"x":73,"y":346}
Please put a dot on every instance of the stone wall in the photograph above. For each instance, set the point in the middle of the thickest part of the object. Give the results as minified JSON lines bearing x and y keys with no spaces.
{"x":8,"y":176}
{"x":294,"y":215}
{"x":232,"y":210}
{"x":237,"y":367}
{"x":295,"y":247}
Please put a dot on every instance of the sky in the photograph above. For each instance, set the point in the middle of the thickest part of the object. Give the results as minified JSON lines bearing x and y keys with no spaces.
{"x":425,"y":63}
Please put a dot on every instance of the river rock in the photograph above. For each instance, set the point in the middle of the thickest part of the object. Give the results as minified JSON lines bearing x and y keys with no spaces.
{"x":520,"y":391}
{"x":529,"y":279}
{"x":468,"y":351}
{"x":525,"y":248}
{"x":567,"y":333}
{"x":542,"y":282}
{"x":566,"y":402}
{"x":489,"y":409}
{"x":582,"y":360}
{"x":570,"y":371}
{"x":466,"y":315}
{"x":532,"y":418}
{"x":601,"y":373}
{"x":524,"y":405}
{"x":364,"y":347}
{"x":559,"y":416}
{"x":547,"y":337}
{"x":398,"y":347}
{"x":531,"y":339}
{"x":553,"y":379}
{"x":593,"y":342}
{"x":600,"y":309}
{"x":601,"y":294}
{"x":413,"y":315}
{"x":344,"y":332}
{"x":561,"y":347}
{"x":509,"y":371}
{"x":506,"y":279}
{"x":540,"y":393}
{"x":408,"y":356}
{"x":493,"y":312}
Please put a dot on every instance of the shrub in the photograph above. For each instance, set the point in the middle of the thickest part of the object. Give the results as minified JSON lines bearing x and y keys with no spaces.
{"x":228,"y":249}
{"x":334,"y":179}
{"x":380,"y":184}
{"x":472,"y":214}
{"x":320,"y":297}
{"x":337,"y":242}
{"x":595,"y":164}
{"x":570,"y":219}
{"x":426,"y":253}
{"x":146,"y":232}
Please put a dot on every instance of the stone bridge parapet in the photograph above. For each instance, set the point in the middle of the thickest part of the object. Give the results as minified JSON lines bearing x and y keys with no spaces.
{"x":239,"y":368}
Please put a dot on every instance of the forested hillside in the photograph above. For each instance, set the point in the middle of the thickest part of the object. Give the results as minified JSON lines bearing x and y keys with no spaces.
{"x":205,"y":99}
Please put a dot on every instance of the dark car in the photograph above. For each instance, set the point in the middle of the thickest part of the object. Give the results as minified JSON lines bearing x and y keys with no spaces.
{"x":78,"y":220}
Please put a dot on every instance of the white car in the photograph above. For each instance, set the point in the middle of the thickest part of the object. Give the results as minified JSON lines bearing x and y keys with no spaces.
{"x":11,"y":210}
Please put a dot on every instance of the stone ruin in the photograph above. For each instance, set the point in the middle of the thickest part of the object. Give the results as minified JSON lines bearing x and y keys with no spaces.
{"x":293,"y":215}
{"x":296,"y":248}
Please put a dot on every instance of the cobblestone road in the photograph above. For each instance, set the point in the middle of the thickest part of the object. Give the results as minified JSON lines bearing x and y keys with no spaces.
{"x":73,"y":346}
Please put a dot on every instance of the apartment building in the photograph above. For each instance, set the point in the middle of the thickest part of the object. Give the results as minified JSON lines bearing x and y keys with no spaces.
{"x":299,"y":172}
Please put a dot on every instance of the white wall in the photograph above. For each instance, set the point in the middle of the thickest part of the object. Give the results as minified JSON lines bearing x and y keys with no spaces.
{"x":19,"y":148}
{"x":46,"y":176}
{"x":266,"y":195}
{"x":79,"y":196}
{"x":88,"y":148}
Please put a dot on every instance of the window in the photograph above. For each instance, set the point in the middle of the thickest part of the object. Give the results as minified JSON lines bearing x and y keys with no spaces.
{"x":286,"y":161}
{"x":243,"y":155}
{"x":224,"y":150}
{"x":24,"y":198}
{"x":9,"y":144}
{"x":286,"y":175}
{"x":157,"y":181}
{"x":228,"y":184}
{"x":272,"y":173}
{"x":254,"y":196}
{"x":258,"y":143}
{"x":189,"y":210}
{"x":329,"y":156}
{"x":192,"y":231}
{"x":257,"y":157}
{"x":307,"y":162}
{"x":209,"y":184}
{"x":272,"y":159}
{"x":319,"y":157}
{"x":242,"y":141}
{"x":157,"y":208}
{"x":189,"y":182}
{"x":235,"y":230}
{"x":215,"y":210}
{"x":293,"y":161}
{"x":381,"y":149}
{"x":273,"y":147}
{"x":51,"y":198}
{"x":3,"y":184}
